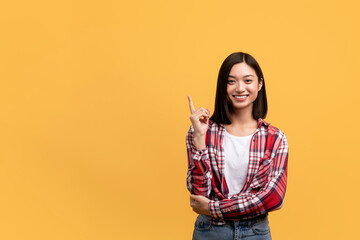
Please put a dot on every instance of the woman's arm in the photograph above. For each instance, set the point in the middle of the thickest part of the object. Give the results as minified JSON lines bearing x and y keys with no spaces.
{"x":198,"y":179}
{"x":268,"y":198}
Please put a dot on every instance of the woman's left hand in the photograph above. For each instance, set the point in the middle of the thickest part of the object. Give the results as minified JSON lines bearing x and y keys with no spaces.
{"x":200,"y":204}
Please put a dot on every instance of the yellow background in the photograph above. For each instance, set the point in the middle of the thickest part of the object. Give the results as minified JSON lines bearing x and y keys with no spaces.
{"x":94,"y":112}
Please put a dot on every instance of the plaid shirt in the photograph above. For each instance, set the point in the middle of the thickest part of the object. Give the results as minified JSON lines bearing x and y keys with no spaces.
{"x":265,"y":185}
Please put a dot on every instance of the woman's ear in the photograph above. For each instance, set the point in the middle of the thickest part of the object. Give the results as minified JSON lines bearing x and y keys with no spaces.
{"x":260,"y":84}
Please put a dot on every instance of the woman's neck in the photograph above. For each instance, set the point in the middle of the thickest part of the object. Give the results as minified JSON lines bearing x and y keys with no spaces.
{"x":243,"y":119}
{"x":242,"y":123}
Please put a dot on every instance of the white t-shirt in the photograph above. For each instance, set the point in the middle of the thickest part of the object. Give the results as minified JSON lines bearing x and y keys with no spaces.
{"x":236,"y":150}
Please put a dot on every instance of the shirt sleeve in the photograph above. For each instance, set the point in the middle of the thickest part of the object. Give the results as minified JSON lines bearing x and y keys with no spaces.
{"x":268,"y":198}
{"x":198,"y":182}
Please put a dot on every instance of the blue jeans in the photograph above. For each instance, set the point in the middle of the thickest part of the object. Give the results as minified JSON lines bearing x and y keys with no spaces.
{"x":251,"y":229}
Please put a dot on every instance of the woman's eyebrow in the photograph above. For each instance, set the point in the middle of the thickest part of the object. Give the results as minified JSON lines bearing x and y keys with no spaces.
{"x":249,"y":75}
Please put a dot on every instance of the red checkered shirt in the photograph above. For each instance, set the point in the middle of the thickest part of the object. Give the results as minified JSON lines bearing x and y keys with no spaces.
{"x":265,"y":185}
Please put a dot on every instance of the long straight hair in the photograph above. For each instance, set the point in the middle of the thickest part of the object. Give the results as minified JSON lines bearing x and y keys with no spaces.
{"x":223,"y":107}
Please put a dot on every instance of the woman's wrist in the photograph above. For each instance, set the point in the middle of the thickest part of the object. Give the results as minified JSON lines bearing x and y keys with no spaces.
{"x":199,"y":141}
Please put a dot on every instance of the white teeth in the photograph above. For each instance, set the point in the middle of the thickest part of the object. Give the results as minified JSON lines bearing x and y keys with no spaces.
{"x":240,"y":97}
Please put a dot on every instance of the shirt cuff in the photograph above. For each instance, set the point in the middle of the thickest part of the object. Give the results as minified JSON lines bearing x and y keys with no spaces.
{"x":199,"y":150}
{"x":215,"y":209}
{"x":198,"y":153}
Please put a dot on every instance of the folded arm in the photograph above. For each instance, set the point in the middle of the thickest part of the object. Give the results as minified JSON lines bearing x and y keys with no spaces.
{"x":268,"y":198}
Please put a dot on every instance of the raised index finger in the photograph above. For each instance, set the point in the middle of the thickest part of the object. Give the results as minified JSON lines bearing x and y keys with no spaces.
{"x":191,"y":105}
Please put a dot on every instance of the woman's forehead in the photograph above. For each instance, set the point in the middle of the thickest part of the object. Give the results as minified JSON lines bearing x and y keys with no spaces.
{"x":241,"y":70}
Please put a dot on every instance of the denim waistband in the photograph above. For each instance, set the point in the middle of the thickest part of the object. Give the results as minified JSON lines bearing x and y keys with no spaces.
{"x":249,"y":221}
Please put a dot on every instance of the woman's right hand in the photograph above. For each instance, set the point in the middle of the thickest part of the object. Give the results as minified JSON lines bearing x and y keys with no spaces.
{"x":200,"y":121}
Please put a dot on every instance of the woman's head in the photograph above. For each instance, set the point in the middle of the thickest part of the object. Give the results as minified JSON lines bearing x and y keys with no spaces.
{"x":231,"y":88}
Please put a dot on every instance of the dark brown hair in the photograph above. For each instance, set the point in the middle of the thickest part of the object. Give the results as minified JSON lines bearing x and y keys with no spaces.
{"x":223,"y":106}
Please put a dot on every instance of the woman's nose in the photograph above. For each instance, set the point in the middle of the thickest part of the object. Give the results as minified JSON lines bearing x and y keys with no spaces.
{"x":239,"y":87}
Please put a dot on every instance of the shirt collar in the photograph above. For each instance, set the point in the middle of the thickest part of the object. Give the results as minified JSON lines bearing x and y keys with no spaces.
{"x":262,"y":122}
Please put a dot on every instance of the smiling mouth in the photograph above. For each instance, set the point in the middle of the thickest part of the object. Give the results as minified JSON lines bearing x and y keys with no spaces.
{"x":240,"y":97}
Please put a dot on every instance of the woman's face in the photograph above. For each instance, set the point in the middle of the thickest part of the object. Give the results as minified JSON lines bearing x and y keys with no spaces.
{"x":242,"y":86}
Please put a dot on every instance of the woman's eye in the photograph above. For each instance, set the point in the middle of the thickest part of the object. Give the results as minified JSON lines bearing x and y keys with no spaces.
{"x":231,"y":81}
{"x":248,"y":80}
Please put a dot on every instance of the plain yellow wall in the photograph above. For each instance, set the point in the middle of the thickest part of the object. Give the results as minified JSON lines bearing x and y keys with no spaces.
{"x":94,"y":112}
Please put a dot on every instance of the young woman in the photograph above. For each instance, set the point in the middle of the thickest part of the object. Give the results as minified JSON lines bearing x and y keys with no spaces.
{"x":237,"y":162}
